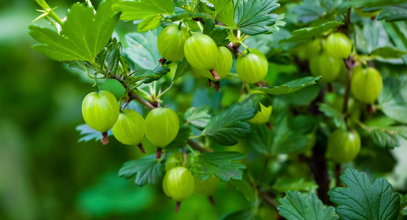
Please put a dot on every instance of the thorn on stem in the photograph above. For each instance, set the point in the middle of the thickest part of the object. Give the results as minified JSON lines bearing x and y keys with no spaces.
{"x":141,"y":147}
{"x":105,"y":138}
{"x":162,"y":61}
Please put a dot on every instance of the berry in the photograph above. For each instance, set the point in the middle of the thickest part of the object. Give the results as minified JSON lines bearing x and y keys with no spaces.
{"x":343,"y":146}
{"x":325,"y":66}
{"x":178,"y":183}
{"x":313,"y":48}
{"x":263,"y":115}
{"x":206,"y":187}
{"x":366,"y":84}
{"x":222,"y":67}
{"x":162,"y":126}
{"x":170,"y":42}
{"x":201,"y":52}
{"x":129,"y":128}
{"x":175,"y":160}
{"x":252,"y":67}
{"x":338,"y":45}
{"x":100,"y":110}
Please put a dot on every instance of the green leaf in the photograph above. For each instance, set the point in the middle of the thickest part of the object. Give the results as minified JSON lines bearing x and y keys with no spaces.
{"x":142,"y":49}
{"x":384,"y":134}
{"x":181,"y":139}
{"x":89,"y":133}
{"x":149,"y":23}
{"x":84,"y":33}
{"x":109,"y":58}
{"x":293,"y":184}
{"x":182,"y":68}
{"x":371,"y":3}
{"x":247,"y":190}
{"x":394,"y":30}
{"x":371,"y":37}
{"x":361,"y":199}
{"x":153,"y":75}
{"x":226,"y":13}
{"x":230,"y":125}
{"x":311,"y":10}
{"x":253,"y":16}
{"x":393,"y":99}
{"x":285,"y":139}
{"x":141,"y":9}
{"x":388,"y":52}
{"x":307,"y":33}
{"x":241,"y":215}
{"x":223,"y":165}
{"x":218,"y":34}
{"x":199,"y":117}
{"x":333,"y":113}
{"x":292,"y":86}
{"x":146,"y":170}
{"x":393,"y":13}
{"x":297,"y":206}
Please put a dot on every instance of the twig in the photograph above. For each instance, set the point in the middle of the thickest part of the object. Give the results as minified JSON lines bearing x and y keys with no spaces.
{"x":196,"y":146}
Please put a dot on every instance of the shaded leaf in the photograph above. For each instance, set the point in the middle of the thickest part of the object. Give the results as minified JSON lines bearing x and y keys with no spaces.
{"x":313,"y":31}
{"x":142,"y":49}
{"x":89,"y":133}
{"x":136,"y":10}
{"x":393,"y":99}
{"x":241,"y":215}
{"x":388,"y":52}
{"x":181,"y":139}
{"x":223,"y":165}
{"x":198,"y":117}
{"x":333,"y":113}
{"x":291,"y":86}
{"x":146,"y":170}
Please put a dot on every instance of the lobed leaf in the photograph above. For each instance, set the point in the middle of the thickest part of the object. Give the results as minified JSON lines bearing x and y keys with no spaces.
{"x":146,"y":170}
{"x":291,"y":87}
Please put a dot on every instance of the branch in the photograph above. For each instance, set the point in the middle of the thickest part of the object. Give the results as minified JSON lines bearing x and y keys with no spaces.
{"x":196,"y":146}
{"x":131,"y":93}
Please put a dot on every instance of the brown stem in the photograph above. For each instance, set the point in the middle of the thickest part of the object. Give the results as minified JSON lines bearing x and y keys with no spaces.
{"x":196,"y":146}
{"x":211,"y":200}
{"x":158,"y":153}
{"x":133,"y":95}
{"x":215,"y":74}
{"x":177,"y":206}
{"x":105,"y":138}
{"x":141,"y":147}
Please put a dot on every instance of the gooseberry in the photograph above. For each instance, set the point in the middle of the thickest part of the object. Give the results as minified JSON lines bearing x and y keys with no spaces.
{"x":162,"y":126}
{"x":343,"y":146}
{"x":252,"y":67}
{"x":367,"y":84}
{"x":129,"y":128}
{"x":171,"y":41}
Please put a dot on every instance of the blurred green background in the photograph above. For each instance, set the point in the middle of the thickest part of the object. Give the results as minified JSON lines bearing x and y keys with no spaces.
{"x":44,"y":172}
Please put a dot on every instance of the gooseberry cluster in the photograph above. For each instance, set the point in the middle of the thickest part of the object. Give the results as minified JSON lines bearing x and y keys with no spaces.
{"x":329,"y":58}
{"x":206,"y":58}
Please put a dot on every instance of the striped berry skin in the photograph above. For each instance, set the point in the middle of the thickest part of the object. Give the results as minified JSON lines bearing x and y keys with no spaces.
{"x":326,"y":66}
{"x":367,"y":84}
{"x":338,"y":45}
{"x":178,"y":183}
{"x":252,"y":67}
{"x":201,"y":52}
{"x":100,"y":110}
{"x":129,"y":128}
{"x":171,"y":41}
{"x":222,"y":67}
{"x":343,"y":146}
{"x":162,"y":125}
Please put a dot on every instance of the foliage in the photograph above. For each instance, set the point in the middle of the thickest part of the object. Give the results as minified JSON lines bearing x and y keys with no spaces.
{"x":281,"y":163}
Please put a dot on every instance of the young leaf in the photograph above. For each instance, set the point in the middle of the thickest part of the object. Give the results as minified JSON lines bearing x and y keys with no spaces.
{"x":149,"y":23}
{"x":182,"y":68}
{"x":230,"y":125}
{"x":89,"y":133}
{"x":361,"y":199}
{"x":311,"y":10}
{"x":393,"y":99}
{"x":181,"y":139}
{"x":142,"y":49}
{"x":141,"y":9}
{"x":307,"y":33}
{"x":384,"y":133}
{"x":84,"y":33}
{"x":109,"y":58}
{"x":297,"y":206}
{"x":333,"y":113}
{"x":388,"y":52}
{"x":146,"y":170}
{"x":198,"y":117}
{"x":292,"y":86}
{"x":253,"y":16}
{"x":218,"y":34}
{"x":223,"y":165}
{"x":226,"y":13}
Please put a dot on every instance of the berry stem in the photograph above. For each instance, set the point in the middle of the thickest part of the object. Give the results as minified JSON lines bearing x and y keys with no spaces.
{"x":158,"y":153}
{"x":212,"y":200}
{"x":105,"y":138}
{"x":177,"y":206}
{"x":215,"y":74}
{"x":141,"y":147}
